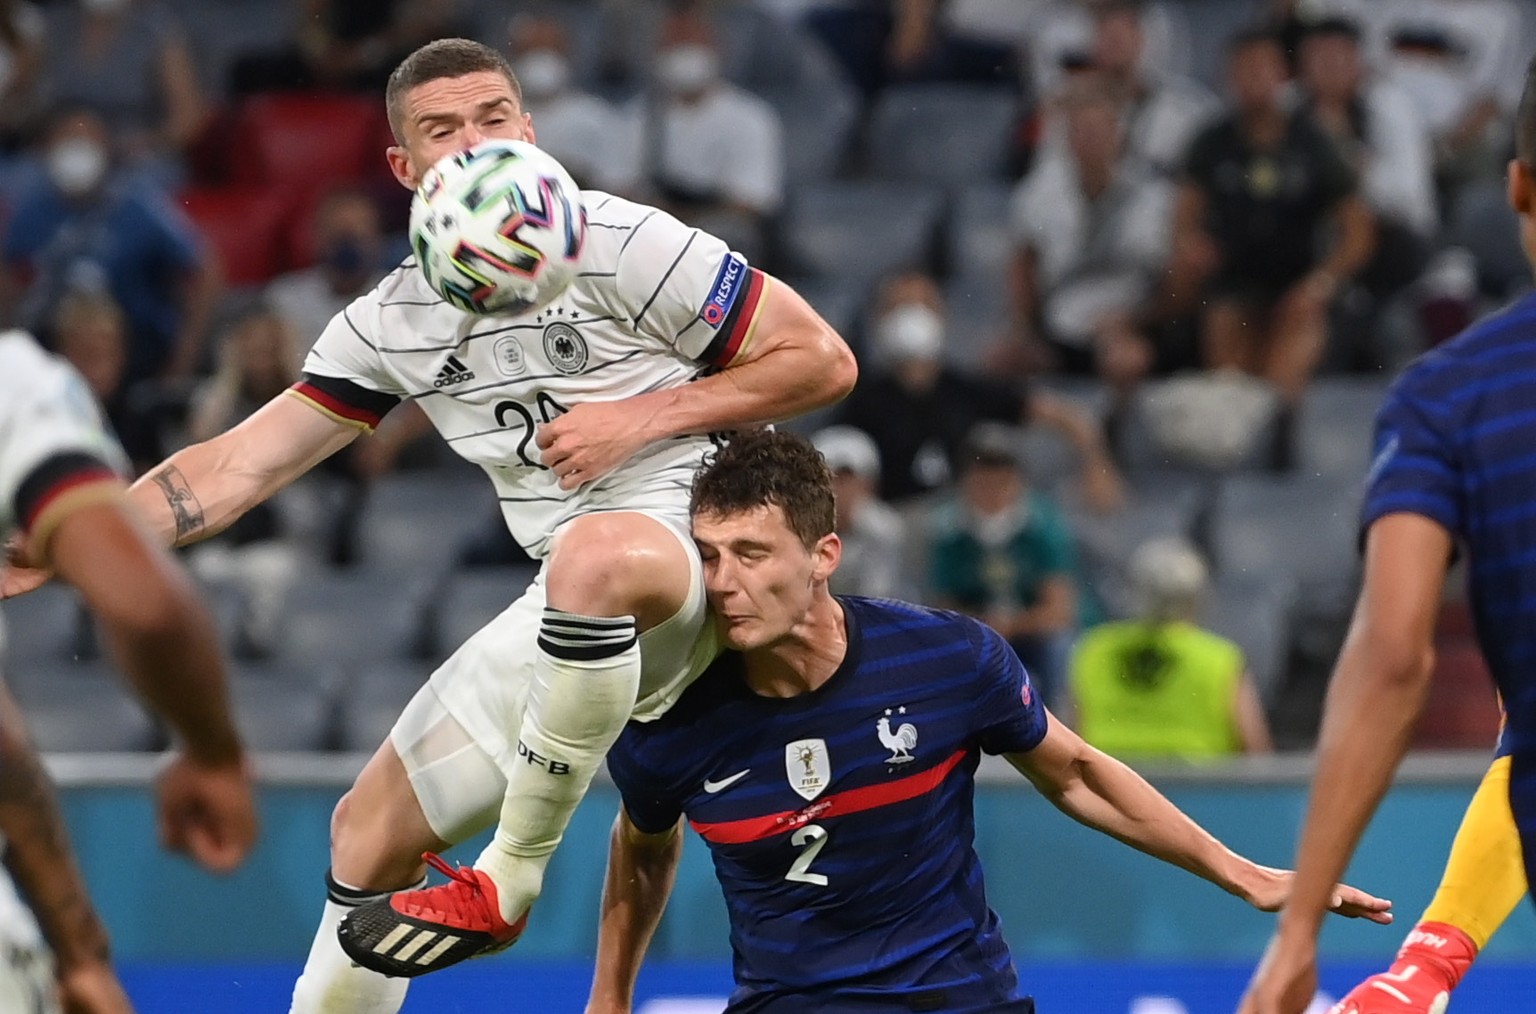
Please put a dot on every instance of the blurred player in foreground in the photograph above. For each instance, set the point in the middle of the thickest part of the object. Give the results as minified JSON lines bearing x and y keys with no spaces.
{"x":63,"y":506}
{"x":1483,"y":881}
{"x":1453,"y":468}
{"x":828,"y":760}
{"x":590,"y":417}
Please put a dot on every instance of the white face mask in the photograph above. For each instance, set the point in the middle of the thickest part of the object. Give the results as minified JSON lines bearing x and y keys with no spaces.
{"x":688,"y":69}
{"x":77,"y":165}
{"x":543,"y":72}
{"x":910,"y":331}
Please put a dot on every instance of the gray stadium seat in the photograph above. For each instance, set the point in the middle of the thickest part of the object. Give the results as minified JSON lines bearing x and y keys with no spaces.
{"x":861,"y":231}
{"x":1255,"y":613}
{"x":976,"y":320}
{"x":373,"y":700}
{"x":473,"y":598}
{"x":73,"y":708}
{"x":352,"y":616}
{"x":1336,"y":423}
{"x":1108,"y":540}
{"x":280,"y":709}
{"x":980,"y":237}
{"x":953,"y":135}
{"x":415,"y":522}
{"x":1265,"y":526}
{"x":838,"y":302}
{"x":43,"y":625}
{"x":1482,"y":221}
{"x":819,"y":126}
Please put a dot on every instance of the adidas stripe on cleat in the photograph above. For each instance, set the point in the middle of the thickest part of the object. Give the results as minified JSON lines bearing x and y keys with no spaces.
{"x":411,"y":933}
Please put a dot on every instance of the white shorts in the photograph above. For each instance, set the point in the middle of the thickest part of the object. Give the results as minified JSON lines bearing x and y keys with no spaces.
{"x":457,"y":737}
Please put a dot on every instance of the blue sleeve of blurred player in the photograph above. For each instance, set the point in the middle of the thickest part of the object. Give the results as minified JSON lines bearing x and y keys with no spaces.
{"x":1010,"y":717}
{"x":650,"y":804}
{"x":1417,"y":468}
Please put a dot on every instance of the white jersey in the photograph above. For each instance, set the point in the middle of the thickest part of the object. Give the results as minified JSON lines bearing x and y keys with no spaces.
{"x":53,"y":442}
{"x":654,"y":304}
{"x":54,"y":450}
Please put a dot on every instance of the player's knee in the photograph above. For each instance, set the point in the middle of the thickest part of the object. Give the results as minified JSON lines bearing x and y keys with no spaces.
{"x":364,"y":852}
{"x":618,"y":565}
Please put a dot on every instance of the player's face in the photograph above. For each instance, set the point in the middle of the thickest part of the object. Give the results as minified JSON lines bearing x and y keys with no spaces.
{"x":761,"y":579}
{"x":454,"y":113}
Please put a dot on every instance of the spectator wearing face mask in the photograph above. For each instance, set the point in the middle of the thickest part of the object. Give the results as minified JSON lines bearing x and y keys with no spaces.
{"x":918,"y":409}
{"x":712,"y":152}
{"x":585,"y":133}
{"x":349,"y":259}
{"x":84,"y":228}
{"x":873,"y":534}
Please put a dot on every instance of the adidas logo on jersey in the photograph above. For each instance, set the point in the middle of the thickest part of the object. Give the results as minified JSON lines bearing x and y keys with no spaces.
{"x":453,"y":372}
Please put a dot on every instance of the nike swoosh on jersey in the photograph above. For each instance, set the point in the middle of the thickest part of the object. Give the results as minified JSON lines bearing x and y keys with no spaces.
{"x":724,"y":783}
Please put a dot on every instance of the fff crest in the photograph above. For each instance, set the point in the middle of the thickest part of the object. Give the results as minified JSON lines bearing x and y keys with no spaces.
{"x":808,"y":766}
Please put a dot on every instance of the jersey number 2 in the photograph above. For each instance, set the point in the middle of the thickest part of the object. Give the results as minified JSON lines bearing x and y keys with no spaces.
{"x":548,"y":409}
{"x":812,"y":838}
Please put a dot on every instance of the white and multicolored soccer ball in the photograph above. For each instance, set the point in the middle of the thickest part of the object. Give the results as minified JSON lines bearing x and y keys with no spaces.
{"x":498,"y":228}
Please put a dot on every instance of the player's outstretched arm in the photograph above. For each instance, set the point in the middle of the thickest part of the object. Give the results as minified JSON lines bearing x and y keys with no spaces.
{"x":39,"y":860}
{"x":1094,"y":789}
{"x":1374,"y":699}
{"x":791,"y":362}
{"x":641,"y":870}
{"x":203,"y":489}
{"x":165,"y":642}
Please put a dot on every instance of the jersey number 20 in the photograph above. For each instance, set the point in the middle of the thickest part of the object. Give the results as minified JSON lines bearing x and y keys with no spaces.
{"x":812,"y":838}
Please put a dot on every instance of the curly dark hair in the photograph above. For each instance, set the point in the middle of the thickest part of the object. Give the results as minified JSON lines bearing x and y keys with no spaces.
{"x":440,"y":59}
{"x":761,"y":467}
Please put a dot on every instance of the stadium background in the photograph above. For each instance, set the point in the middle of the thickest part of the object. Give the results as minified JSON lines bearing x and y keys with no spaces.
{"x":911,"y":173}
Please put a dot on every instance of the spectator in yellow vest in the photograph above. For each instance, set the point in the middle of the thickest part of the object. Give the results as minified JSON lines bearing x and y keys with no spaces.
{"x":1158,"y":686}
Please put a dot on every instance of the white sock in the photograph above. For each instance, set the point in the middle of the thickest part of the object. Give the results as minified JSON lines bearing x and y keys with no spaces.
{"x":586,"y":676}
{"x":330,"y":982}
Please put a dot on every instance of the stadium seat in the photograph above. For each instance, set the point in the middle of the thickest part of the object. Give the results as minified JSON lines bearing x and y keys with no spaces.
{"x":473,"y":598}
{"x":839,"y":304}
{"x":1336,"y":426}
{"x":244,"y":226}
{"x":1265,"y":526}
{"x":952,"y":135}
{"x":819,"y":127}
{"x":976,"y":320}
{"x":980,"y":234}
{"x":42,"y":626}
{"x":1482,"y":221}
{"x":1256,"y":614}
{"x":1108,"y":540}
{"x":280,"y":709}
{"x":373,"y":700}
{"x":73,"y":708}
{"x":861,"y":231}
{"x":1462,"y":712}
{"x":305,"y":142}
{"x":414,"y":523}
{"x":352,"y":617}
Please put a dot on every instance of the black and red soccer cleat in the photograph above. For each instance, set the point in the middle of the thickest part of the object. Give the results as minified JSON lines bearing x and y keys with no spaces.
{"x":411,"y":933}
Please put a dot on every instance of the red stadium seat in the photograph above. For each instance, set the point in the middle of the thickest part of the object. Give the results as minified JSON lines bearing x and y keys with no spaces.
{"x":305,"y":142}
{"x":1462,"y":712}
{"x":244,"y":226}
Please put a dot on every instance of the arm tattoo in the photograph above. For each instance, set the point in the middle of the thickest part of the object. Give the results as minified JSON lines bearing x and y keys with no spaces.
{"x":183,"y":502}
{"x":38,"y":854}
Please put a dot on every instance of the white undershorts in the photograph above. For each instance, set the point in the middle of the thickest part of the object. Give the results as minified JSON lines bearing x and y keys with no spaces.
{"x":457,"y":737}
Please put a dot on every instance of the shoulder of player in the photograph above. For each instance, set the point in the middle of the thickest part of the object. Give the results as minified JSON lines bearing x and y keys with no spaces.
{"x":24,"y":364}
{"x":914,"y":624}
{"x":1489,"y":346}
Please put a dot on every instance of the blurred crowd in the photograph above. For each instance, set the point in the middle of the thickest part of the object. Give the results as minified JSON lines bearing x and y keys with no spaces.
{"x":1125,"y":277}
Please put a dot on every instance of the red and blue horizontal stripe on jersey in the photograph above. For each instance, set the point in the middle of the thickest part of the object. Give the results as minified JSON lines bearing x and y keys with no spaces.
{"x":838,"y":804}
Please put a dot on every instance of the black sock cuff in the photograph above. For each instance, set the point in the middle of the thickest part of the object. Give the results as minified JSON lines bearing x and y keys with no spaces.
{"x":352,"y":897}
{"x":585,"y":638}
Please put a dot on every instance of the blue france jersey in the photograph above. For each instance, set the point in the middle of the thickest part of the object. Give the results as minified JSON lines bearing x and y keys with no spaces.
{"x":1456,"y":443}
{"x":840,"y":822}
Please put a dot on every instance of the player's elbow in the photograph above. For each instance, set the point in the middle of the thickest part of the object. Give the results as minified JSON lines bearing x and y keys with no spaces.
{"x":842,"y":370}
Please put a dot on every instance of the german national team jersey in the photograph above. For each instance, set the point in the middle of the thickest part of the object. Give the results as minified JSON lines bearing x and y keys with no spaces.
{"x":54,"y":447}
{"x":655,"y":303}
{"x":840,"y":821}
{"x":1456,"y":443}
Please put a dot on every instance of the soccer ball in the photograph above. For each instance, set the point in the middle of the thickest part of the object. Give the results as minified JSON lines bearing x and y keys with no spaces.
{"x":498,"y":228}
